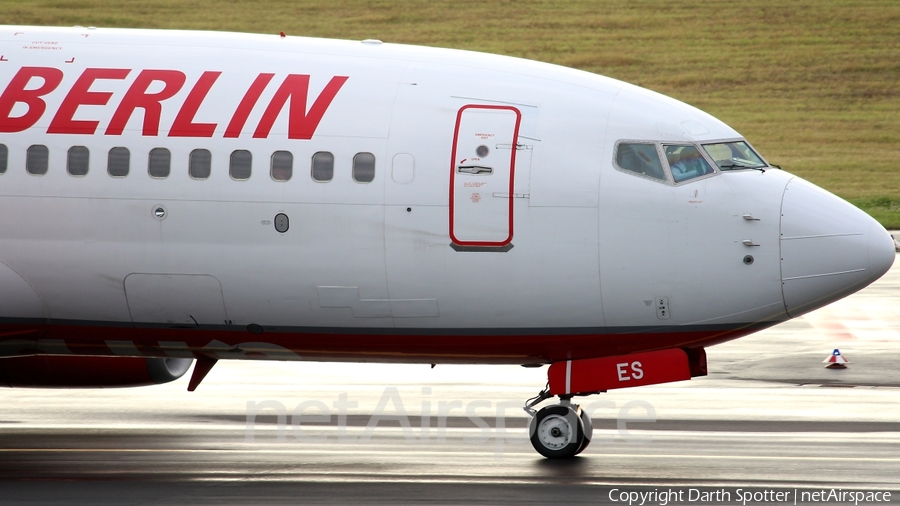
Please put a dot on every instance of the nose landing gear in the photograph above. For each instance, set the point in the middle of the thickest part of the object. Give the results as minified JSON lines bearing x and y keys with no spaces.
{"x":564,"y":430}
{"x":558,"y":431}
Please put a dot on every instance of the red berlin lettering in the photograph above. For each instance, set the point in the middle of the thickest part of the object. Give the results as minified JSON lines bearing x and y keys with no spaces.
{"x":292,"y":93}
{"x":184,"y":125}
{"x":246,"y":106}
{"x":301,"y":125}
{"x":15,"y":93}
{"x":151,"y":103}
{"x":80,"y":94}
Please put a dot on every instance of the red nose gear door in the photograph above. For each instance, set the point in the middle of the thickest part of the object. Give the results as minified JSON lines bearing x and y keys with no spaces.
{"x":481,"y":176}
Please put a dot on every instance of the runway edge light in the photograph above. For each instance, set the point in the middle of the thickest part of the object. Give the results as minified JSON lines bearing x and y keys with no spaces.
{"x":836,"y":360}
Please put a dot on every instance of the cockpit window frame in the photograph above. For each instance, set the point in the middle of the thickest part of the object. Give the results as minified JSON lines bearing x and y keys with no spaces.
{"x":733,"y":139}
{"x":668,"y":173}
{"x":660,"y":152}
{"x":703,"y":154}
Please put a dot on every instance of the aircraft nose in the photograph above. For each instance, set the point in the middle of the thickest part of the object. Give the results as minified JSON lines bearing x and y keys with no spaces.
{"x":829,"y":248}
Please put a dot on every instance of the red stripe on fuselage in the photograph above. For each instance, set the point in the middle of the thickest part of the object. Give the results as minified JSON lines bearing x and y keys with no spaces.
{"x":489,"y":347}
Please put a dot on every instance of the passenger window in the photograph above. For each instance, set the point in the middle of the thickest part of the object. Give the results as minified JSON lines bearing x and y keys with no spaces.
{"x":4,"y":158}
{"x":118,"y":162}
{"x":364,"y":167}
{"x":282,"y":165}
{"x":240,"y":166}
{"x":322,"y":166}
{"x":160,"y":163}
{"x":36,"y":159}
{"x":77,"y":164}
{"x":686,"y":162}
{"x":640,"y":158}
{"x":200,"y":164}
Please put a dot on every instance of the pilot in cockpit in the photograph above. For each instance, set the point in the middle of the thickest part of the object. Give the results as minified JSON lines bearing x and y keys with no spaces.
{"x":687,"y":163}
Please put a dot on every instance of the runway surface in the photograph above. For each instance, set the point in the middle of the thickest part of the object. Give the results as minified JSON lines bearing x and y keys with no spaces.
{"x":769,"y":416}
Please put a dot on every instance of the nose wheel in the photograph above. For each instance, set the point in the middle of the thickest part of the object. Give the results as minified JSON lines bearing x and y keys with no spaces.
{"x":560,"y":431}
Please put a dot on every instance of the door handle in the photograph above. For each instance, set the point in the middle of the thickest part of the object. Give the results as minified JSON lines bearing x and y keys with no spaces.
{"x":474,"y":169}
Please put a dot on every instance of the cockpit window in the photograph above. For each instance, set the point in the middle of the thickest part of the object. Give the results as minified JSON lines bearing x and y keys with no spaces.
{"x":734,"y":156}
{"x":686,"y":162}
{"x":640,"y":158}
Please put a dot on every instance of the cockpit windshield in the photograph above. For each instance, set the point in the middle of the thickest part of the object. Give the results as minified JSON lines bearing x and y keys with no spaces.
{"x":686,"y":162}
{"x":734,"y":156}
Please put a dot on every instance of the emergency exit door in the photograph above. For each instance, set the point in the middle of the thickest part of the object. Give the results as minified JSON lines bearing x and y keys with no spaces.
{"x":482,"y":174}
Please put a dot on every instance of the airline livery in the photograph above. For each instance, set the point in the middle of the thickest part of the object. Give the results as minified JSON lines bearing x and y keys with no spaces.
{"x":169,"y":197}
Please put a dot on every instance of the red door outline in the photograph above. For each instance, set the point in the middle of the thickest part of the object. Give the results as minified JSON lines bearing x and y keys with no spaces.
{"x":512,"y":175}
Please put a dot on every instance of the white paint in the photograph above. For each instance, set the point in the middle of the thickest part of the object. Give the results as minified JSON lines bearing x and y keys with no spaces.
{"x":621,"y":370}
{"x":592,"y":243}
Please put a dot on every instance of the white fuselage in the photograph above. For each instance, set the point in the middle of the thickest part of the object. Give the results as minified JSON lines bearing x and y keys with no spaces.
{"x":555,"y":254}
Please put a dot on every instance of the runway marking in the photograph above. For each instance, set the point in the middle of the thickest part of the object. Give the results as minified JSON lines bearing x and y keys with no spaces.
{"x":330,"y":451}
{"x":854,"y":319}
{"x":267,"y":435}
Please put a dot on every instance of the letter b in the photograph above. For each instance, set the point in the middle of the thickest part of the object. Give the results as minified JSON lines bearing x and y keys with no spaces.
{"x":16,"y":93}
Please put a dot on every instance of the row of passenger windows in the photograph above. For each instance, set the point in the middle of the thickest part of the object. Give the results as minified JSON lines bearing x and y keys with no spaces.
{"x":159,"y":163}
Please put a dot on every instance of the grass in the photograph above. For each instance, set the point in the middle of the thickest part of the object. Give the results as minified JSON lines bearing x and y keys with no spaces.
{"x":813,"y":84}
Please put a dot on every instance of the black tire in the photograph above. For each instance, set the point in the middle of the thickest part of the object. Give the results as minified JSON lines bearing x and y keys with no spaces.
{"x":557,"y":432}
{"x":588,"y":430}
